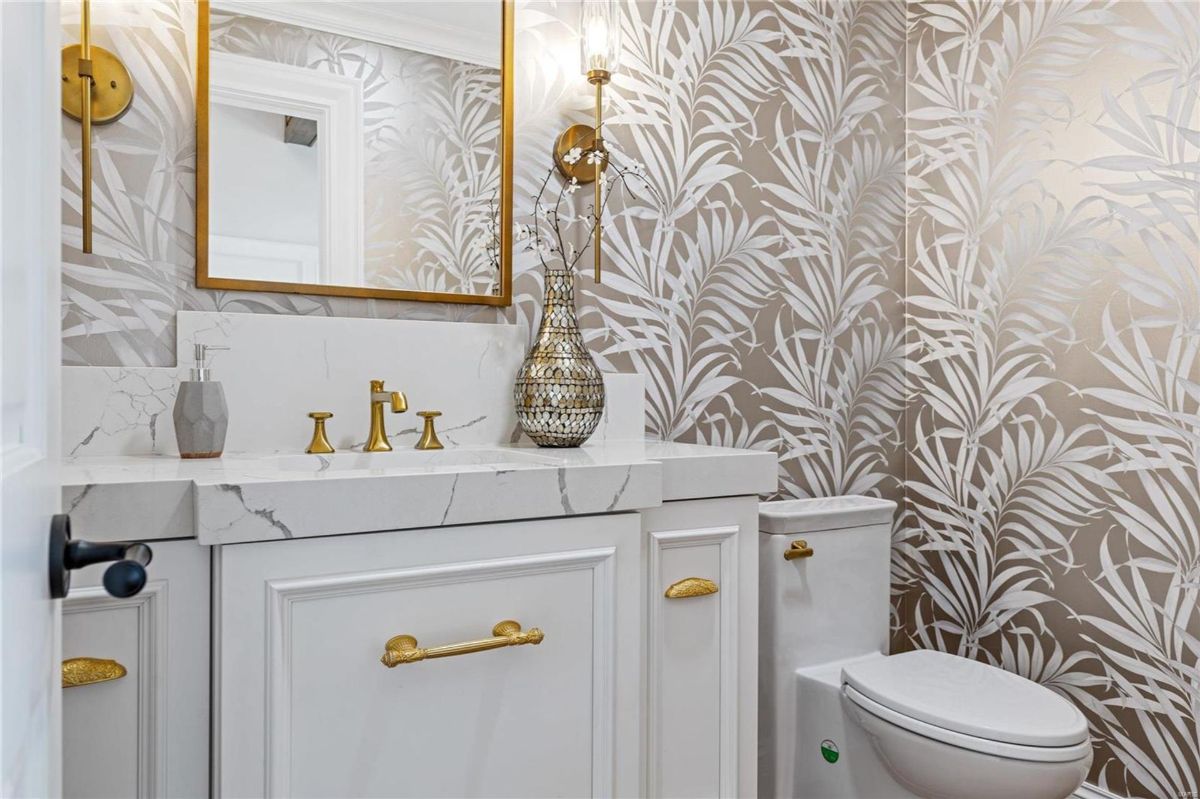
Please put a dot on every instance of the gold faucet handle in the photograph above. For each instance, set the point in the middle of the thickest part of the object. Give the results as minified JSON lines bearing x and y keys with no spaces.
{"x":429,"y":439}
{"x":320,"y":443}
{"x":399,"y":402}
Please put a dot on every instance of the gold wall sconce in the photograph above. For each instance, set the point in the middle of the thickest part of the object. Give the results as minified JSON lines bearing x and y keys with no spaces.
{"x":96,"y":90}
{"x":600,"y":47}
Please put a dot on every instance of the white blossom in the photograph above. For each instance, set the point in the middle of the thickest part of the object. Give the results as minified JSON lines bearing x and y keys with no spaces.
{"x":573,"y":155}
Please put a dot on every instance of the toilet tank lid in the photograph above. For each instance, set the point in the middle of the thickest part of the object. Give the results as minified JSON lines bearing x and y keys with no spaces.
{"x":790,"y":516}
{"x":968,"y":697}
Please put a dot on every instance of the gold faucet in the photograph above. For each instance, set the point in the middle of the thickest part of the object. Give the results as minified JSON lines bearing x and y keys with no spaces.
{"x":377,"y":438}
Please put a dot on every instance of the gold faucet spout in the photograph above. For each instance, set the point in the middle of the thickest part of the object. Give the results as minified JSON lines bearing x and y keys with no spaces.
{"x":377,"y":439}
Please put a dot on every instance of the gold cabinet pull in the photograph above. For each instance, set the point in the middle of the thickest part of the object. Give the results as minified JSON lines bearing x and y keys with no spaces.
{"x":404,"y":649}
{"x":799,"y":549}
{"x":85,"y":671}
{"x":691,"y":586}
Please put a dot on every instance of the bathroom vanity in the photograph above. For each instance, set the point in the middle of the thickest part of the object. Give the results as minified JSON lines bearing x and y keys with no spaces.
{"x":332,"y":625}
{"x":486,"y":620}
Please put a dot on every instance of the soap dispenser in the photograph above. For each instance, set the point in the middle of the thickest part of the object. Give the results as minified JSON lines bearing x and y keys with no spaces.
{"x":201,"y":415}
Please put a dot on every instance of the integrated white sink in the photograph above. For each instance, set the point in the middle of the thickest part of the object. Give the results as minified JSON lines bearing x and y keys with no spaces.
{"x":437,"y":460}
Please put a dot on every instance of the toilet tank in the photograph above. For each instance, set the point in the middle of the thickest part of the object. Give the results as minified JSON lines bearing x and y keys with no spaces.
{"x":829,"y":606}
{"x":832,"y":604}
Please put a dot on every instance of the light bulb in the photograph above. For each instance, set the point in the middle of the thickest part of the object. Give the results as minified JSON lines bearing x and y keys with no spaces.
{"x":601,"y":34}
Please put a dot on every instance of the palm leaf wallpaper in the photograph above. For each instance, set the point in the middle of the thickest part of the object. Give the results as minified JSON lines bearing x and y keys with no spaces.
{"x":1053,"y":425}
{"x":944,"y":252}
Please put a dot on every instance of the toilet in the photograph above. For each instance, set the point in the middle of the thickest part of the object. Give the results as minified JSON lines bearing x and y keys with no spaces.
{"x":840,"y":719}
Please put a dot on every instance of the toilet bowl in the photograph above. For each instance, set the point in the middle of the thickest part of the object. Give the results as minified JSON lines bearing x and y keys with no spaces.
{"x":839,"y":719}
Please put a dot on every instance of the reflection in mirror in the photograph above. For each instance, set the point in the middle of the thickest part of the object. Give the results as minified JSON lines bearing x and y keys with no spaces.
{"x":357,"y":144}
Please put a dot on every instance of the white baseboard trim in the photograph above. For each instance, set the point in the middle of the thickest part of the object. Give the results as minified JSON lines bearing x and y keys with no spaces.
{"x":1089,"y":791}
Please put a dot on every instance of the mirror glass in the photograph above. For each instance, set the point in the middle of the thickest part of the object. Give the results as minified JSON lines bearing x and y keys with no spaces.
{"x":357,"y":149}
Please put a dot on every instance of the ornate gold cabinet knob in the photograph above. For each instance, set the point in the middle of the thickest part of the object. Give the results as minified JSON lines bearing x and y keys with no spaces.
{"x":429,"y":439}
{"x":320,"y":443}
{"x":85,"y":671}
{"x":690,"y":587}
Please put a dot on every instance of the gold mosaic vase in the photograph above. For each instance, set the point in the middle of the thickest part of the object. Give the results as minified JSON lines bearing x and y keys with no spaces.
{"x":559,"y":394}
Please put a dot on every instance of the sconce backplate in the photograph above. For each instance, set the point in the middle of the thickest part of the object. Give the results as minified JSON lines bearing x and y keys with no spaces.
{"x":580,"y":136}
{"x":112,"y":92}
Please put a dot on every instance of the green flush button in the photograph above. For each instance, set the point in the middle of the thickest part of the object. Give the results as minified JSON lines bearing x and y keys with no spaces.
{"x":829,"y":751}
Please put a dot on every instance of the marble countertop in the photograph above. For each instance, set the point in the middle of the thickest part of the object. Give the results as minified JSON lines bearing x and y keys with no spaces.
{"x":240,"y":498}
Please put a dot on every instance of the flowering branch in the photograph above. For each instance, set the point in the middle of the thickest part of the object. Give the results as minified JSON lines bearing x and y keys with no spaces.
{"x":546,"y":234}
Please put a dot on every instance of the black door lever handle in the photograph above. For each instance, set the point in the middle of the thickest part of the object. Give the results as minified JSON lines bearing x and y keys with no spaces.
{"x":125,"y":578}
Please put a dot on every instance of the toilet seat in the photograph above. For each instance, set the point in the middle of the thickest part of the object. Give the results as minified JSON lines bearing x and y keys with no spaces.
{"x":1037,"y":754}
{"x":968,"y":704}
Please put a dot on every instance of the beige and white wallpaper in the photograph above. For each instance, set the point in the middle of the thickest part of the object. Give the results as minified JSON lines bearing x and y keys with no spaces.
{"x":944,"y":252}
{"x":1053,"y":424}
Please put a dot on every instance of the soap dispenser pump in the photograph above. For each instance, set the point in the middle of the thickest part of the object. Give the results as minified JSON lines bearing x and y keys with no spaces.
{"x":201,"y":415}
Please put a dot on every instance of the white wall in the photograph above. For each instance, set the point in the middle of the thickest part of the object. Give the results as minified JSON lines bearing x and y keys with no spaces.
{"x":264,"y":190}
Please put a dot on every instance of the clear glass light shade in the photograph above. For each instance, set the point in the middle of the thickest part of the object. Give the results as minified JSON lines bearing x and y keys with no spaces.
{"x":600,"y":40}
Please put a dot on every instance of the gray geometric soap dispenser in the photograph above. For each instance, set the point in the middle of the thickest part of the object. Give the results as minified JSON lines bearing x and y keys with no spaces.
{"x":201,"y":415}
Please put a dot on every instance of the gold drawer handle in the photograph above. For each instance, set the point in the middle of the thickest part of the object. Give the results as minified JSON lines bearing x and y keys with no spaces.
{"x":404,"y":649}
{"x":691,"y":586}
{"x":85,"y":671}
{"x":799,"y":549}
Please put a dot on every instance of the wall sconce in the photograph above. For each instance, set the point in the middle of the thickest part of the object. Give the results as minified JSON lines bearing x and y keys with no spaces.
{"x":96,"y":90}
{"x":600,"y":48}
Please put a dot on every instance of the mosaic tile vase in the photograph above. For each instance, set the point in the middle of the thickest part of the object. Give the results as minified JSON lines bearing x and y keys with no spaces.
{"x":559,"y":393}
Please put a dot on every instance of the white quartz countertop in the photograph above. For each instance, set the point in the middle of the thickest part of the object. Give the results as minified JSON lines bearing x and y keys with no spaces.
{"x":241,"y":498}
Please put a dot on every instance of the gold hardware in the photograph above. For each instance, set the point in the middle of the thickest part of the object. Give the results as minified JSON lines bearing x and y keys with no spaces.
{"x":403,"y":648}
{"x":112,"y":86}
{"x":208,"y":281}
{"x":377,"y":438}
{"x":320,"y":444}
{"x":691,"y":586}
{"x":799,"y":549}
{"x":429,"y":439}
{"x":85,"y":671}
{"x":577,"y":136}
{"x":96,"y":90}
{"x":588,"y":139}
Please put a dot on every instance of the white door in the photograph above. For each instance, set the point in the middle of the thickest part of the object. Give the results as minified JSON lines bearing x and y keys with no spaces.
{"x":30,"y":131}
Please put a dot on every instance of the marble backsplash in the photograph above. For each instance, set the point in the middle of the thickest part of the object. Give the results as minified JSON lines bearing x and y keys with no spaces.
{"x":279,"y":368}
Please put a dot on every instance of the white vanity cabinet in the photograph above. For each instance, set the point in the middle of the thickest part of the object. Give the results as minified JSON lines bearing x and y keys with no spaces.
{"x":627,"y":666}
{"x":304,"y":707}
{"x":145,"y":733}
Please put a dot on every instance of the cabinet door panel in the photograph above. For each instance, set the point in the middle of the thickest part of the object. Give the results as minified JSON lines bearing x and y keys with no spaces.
{"x":101,"y":741}
{"x":700,"y":680}
{"x":144,"y":734}
{"x":687,"y":637}
{"x":529,"y":720}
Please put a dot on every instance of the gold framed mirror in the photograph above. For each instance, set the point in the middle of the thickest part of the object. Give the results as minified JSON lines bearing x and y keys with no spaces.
{"x":356,"y":149}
